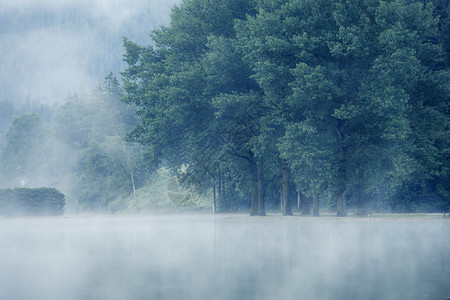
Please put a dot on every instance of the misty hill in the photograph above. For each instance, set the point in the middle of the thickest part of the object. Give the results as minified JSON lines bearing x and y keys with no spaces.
{"x":50,"y":47}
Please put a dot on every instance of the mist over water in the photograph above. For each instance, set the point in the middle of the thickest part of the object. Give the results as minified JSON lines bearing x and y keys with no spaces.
{"x":54,"y":52}
{"x":223,"y":257}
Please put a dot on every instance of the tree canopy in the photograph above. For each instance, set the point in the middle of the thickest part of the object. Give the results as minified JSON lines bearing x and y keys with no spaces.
{"x":349,"y":98}
{"x":251,"y":105}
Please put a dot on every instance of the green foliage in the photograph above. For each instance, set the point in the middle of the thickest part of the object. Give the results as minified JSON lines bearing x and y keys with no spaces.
{"x":333,"y":90}
{"x":6,"y":117}
{"x":109,"y":166}
{"x":24,"y":139}
{"x":31,"y":202}
{"x":163,"y":193}
{"x":188,"y":90}
{"x":346,"y":76}
{"x":73,"y":122}
{"x":82,"y":151}
{"x":347,"y":96}
{"x":308,"y":152}
{"x":107,"y":173}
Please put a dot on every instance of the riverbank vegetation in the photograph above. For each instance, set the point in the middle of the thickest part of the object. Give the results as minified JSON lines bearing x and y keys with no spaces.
{"x":31,"y":202}
{"x":258,"y":105}
{"x":339,"y":100}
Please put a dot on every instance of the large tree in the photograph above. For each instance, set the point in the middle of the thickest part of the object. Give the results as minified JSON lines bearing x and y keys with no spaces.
{"x":195,"y":98}
{"x":22,"y":153}
{"x":89,"y":132}
{"x":330,"y":93}
{"x":6,"y":117}
{"x":344,"y":74}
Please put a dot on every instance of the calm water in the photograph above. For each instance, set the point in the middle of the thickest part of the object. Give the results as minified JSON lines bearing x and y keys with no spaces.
{"x":223,"y":257}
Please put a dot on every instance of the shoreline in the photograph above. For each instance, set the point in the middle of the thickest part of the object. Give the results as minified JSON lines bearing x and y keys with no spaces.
{"x":247,"y":217}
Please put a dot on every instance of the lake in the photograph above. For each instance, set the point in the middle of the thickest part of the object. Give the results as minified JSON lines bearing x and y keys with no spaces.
{"x":224,"y":257}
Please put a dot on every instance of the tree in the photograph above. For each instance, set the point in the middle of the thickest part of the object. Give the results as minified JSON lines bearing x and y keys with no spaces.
{"x":427,"y":188}
{"x":6,"y":117}
{"x":345,"y":73}
{"x":91,"y":127}
{"x":329,"y":93}
{"x":19,"y":157}
{"x":73,"y":121}
{"x":190,"y":90}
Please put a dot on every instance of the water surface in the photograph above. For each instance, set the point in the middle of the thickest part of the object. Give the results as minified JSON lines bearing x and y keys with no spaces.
{"x":223,"y":257}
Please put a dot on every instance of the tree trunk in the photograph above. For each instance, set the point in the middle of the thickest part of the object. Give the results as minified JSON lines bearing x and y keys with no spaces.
{"x":281,"y":202}
{"x":214,"y":198}
{"x":342,"y":189}
{"x":254,"y":190}
{"x":315,"y":204}
{"x":299,"y":202}
{"x":260,"y":175}
{"x":341,"y":205}
{"x":219,"y":187}
{"x":224,"y":191}
{"x":134,"y":186}
{"x":305,"y":205}
{"x":128,"y":167}
{"x":287,"y":211}
{"x":134,"y":192}
{"x":362,"y":211}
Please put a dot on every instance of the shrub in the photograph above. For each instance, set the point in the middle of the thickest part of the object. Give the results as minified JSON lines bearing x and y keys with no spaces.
{"x":31,"y":202}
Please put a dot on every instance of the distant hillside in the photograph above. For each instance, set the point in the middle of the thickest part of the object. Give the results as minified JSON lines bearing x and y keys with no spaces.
{"x":50,"y":47}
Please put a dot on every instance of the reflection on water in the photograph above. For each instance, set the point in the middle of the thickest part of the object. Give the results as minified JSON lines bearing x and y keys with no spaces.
{"x":223,"y":257}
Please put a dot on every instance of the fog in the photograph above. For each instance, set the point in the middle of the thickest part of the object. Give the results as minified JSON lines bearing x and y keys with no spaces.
{"x":223,"y":257}
{"x":48,"y":48}
{"x":56,"y":53}
{"x":53,"y":57}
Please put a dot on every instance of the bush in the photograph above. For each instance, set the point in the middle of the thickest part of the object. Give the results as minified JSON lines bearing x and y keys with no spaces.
{"x":31,"y":202}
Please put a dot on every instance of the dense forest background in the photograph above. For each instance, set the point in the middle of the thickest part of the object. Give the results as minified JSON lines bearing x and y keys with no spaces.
{"x":247,"y":106}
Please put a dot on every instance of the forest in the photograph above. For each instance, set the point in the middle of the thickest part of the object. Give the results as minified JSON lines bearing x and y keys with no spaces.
{"x":254,"y":106}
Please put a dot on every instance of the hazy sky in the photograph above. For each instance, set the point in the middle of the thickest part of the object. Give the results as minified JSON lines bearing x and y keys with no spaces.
{"x":51,"y":47}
